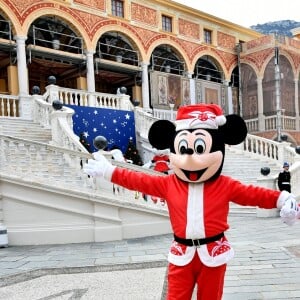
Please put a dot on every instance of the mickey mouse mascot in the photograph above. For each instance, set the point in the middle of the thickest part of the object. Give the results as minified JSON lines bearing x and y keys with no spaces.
{"x":197,"y":195}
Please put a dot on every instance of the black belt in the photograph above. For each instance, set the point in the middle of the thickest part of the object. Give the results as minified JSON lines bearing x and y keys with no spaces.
{"x":198,"y":242}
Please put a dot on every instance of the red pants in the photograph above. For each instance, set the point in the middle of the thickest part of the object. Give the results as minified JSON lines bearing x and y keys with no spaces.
{"x":182,"y":280}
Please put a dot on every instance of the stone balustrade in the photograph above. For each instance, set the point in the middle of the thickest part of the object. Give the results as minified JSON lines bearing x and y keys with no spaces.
{"x":51,"y":164}
{"x":83,"y":98}
{"x":9,"y":106}
{"x":278,"y":152}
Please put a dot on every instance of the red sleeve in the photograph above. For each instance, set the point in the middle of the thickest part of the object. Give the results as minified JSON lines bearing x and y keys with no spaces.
{"x":250,"y":195}
{"x":148,"y":184}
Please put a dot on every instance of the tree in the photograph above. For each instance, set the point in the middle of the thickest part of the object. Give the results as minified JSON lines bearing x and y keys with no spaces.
{"x":83,"y":140}
{"x":132,"y":153}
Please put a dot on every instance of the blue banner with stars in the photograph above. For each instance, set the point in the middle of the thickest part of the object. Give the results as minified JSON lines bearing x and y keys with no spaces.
{"x":117,"y":126}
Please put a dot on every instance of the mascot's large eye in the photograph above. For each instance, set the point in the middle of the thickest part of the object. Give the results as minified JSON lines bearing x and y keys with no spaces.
{"x":182,"y":146}
{"x":199,"y":146}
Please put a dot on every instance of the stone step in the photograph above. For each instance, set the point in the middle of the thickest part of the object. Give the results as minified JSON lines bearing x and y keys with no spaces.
{"x":25,"y":129}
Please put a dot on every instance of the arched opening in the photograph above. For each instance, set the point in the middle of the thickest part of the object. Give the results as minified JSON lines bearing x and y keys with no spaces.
{"x":117,"y":64}
{"x":249,"y":92}
{"x":287,"y":90}
{"x":209,"y":79}
{"x":207,"y":68}
{"x":54,"y":49}
{"x":166,"y":59}
{"x":8,"y":55}
{"x":169,"y":87}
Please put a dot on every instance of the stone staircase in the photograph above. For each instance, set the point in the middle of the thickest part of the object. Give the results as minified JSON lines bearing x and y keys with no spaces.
{"x":237,"y":164}
{"x":47,"y":183}
{"x":25,"y":129}
{"x":245,"y":167}
{"x":45,"y":197}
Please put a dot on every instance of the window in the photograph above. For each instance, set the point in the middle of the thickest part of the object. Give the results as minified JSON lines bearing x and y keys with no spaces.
{"x":117,"y":8}
{"x":166,"y":23}
{"x":207,"y":36}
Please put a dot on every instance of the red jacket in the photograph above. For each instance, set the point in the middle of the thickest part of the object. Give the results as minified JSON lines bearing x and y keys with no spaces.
{"x":161,"y":163}
{"x":198,"y":210}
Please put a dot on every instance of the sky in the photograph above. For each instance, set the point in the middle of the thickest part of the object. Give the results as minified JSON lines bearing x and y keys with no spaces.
{"x":247,"y":13}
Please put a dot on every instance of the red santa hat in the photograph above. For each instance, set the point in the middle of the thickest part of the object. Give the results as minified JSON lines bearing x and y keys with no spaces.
{"x":208,"y":116}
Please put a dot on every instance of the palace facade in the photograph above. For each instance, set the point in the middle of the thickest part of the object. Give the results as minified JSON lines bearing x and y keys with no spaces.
{"x":164,"y":53}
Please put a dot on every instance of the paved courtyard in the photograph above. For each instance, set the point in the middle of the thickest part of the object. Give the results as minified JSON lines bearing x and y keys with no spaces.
{"x":266,"y":266}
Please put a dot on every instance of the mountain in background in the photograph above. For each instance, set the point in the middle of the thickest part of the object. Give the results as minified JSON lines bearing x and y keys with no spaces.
{"x":280,"y":27}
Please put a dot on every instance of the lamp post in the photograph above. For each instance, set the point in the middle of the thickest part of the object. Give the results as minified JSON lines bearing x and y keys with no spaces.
{"x":240,"y":103}
{"x":277,"y":94}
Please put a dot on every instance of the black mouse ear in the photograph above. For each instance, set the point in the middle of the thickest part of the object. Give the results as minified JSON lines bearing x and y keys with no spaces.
{"x":234,"y":130}
{"x":161,"y":134}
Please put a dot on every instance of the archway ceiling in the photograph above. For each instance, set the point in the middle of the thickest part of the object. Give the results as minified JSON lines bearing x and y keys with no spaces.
{"x":114,"y":78}
{"x":53,"y":68}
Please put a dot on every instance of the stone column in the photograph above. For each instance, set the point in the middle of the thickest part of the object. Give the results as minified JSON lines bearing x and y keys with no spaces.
{"x":260,"y":103}
{"x":90,"y":78}
{"x":145,"y":86}
{"x":90,"y":74}
{"x":25,"y":101}
{"x":22,"y":67}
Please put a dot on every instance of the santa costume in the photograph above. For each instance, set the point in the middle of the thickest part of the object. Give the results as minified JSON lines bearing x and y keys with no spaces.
{"x":197,"y":195}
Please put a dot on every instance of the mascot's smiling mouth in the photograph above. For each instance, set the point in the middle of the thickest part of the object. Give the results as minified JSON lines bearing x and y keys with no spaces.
{"x":193,"y":175}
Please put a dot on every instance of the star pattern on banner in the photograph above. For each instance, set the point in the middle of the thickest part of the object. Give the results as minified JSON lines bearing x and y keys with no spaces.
{"x":117,"y":126}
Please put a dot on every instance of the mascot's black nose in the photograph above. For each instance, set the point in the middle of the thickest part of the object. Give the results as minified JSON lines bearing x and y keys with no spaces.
{"x":188,"y":151}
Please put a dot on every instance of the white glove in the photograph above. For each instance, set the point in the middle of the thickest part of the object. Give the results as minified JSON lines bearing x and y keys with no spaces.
{"x":290,"y":211}
{"x":117,"y":155}
{"x":100,"y":167}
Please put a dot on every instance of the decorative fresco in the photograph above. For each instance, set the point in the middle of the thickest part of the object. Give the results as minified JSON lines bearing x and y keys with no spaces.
{"x":266,"y":39}
{"x":91,"y":23}
{"x":208,"y":92}
{"x":294,"y":43}
{"x":162,"y":90}
{"x":92,"y":20}
{"x":174,"y":90}
{"x":143,"y":28}
{"x":143,"y":14}
{"x":258,"y":58}
{"x":23,"y":8}
{"x":188,"y":28}
{"x":186,"y":95}
{"x":226,"y":40}
{"x":166,"y":89}
{"x":95,"y":4}
{"x":211,"y":95}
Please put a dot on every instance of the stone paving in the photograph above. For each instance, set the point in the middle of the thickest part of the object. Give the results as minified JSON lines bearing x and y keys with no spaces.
{"x":266,"y":266}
